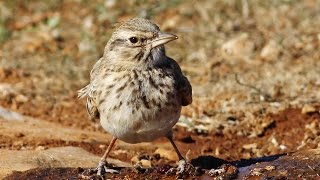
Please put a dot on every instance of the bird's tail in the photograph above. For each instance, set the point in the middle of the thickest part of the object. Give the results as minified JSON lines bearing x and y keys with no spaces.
{"x":83,"y":92}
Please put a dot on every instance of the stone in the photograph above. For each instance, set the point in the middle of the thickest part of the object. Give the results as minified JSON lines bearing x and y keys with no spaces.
{"x":308,"y":109}
{"x":21,"y":98}
{"x":169,"y":154}
{"x":6,"y":90}
{"x":304,"y":164}
{"x":240,"y":47}
{"x":10,"y":115}
{"x":146,"y":163}
{"x":13,"y":160}
{"x":271,"y":51}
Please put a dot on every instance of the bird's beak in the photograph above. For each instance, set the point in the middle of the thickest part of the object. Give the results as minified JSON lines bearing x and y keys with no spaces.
{"x":163,"y":38}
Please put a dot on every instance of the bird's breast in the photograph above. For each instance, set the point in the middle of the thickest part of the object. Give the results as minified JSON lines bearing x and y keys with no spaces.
{"x":137,"y":103}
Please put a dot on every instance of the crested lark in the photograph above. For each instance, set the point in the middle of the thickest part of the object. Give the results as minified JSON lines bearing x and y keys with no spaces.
{"x":135,"y":89}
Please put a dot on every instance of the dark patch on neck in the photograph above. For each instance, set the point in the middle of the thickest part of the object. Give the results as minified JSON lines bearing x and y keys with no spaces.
{"x":149,"y":58}
{"x":159,"y":61}
{"x":116,"y":43}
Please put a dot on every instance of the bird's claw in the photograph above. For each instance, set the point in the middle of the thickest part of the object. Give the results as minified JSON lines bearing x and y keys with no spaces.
{"x":183,"y":167}
{"x":103,"y":168}
{"x":216,"y":172}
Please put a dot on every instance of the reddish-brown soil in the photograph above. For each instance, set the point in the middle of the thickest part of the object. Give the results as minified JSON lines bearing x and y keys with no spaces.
{"x":200,"y":147}
{"x":76,"y":173}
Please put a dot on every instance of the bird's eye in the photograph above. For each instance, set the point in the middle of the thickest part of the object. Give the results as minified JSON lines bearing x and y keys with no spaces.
{"x":133,"y":40}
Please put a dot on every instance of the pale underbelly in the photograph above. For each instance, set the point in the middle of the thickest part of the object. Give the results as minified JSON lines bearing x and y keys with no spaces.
{"x":141,"y":109}
{"x":136,"y":128}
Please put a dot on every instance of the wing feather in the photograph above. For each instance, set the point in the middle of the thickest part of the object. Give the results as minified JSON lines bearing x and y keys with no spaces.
{"x":90,"y":91}
{"x":182,"y":84}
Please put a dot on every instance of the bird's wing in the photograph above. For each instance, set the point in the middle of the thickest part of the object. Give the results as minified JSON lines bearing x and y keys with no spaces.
{"x":90,"y":91}
{"x":91,"y":105}
{"x":185,"y":90}
{"x":182,"y":84}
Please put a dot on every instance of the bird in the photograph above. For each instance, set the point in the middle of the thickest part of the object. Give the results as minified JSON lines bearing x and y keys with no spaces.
{"x":135,"y":89}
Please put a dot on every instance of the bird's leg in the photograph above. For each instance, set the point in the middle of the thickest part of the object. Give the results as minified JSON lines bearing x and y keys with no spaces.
{"x":170,"y":137}
{"x":103,"y":161}
{"x":183,"y":165}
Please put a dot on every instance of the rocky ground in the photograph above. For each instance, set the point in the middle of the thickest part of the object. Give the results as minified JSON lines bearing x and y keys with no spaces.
{"x":254,"y":67}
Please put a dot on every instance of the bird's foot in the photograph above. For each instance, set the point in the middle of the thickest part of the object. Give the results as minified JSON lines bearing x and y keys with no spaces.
{"x":102,"y":168}
{"x":226,"y":170}
{"x":216,"y":172}
{"x":184,"y":167}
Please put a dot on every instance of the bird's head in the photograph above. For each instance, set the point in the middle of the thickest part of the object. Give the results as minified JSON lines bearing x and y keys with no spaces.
{"x":138,"y":41}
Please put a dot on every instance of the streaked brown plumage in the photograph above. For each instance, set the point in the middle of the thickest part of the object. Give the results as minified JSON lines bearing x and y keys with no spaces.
{"x":135,"y":89}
